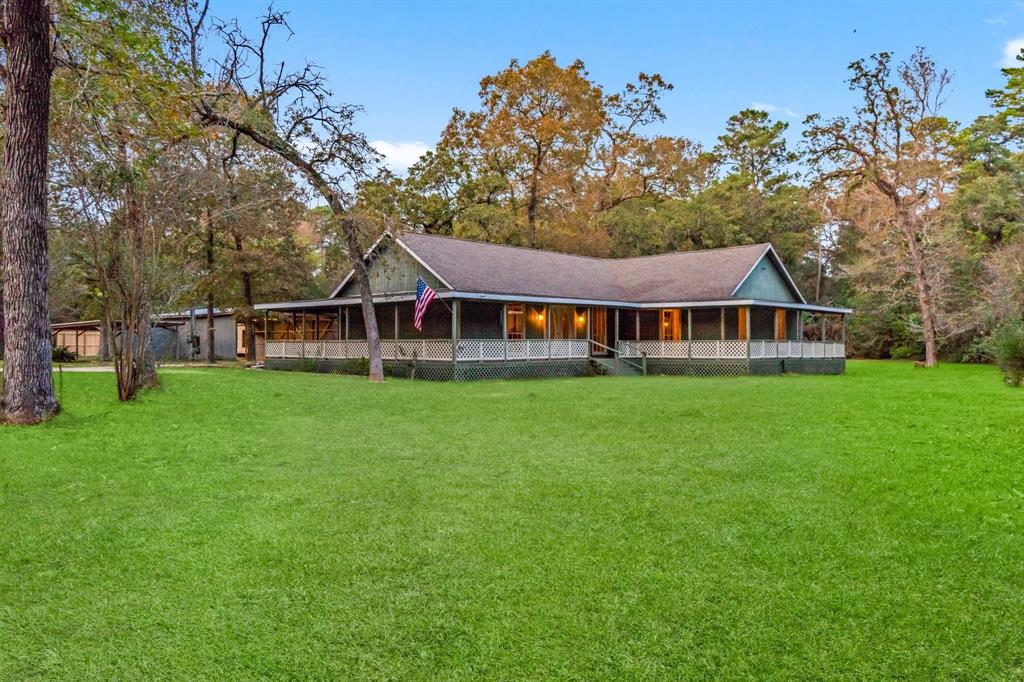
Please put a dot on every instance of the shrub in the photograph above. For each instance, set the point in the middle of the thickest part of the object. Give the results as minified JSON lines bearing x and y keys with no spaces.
{"x":63,"y":354}
{"x":1007,"y":343}
{"x":362,"y":367}
{"x":902,"y":353}
{"x":978,"y":351}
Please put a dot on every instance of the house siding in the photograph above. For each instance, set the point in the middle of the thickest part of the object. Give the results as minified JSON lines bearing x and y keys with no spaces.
{"x":765,"y":283}
{"x":394,"y":271}
{"x":225,"y":331}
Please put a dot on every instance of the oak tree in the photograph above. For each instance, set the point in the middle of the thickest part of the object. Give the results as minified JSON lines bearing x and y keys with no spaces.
{"x":28,"y":395}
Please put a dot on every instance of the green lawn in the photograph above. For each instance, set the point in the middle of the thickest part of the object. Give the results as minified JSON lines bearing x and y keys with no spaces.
{"x":266,"y":524}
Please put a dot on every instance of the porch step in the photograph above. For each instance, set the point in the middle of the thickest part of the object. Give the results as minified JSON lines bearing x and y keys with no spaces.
{"x":624,"y":368}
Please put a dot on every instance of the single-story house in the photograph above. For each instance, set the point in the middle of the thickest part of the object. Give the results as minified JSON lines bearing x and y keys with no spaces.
{"x":85,"y":338}
{"x":175,"y":336}
{"x":507,"y":312}
{"x":228,"y":333}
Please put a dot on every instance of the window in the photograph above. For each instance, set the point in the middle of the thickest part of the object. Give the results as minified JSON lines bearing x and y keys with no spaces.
{"x":516,"y":321}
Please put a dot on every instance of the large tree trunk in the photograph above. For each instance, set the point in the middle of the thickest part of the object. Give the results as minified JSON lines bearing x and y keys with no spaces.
{"x":28,"y":395}
{"x":1,"y":307}
{"x":924,"y":296}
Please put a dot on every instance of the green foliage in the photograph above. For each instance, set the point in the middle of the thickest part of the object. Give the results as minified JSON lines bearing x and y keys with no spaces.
{"x":754,"y":147}
{"x":1007,"y":347}
{"x":360,"y":367}
{"x":269,"y":525}
{"x":63,"y":354}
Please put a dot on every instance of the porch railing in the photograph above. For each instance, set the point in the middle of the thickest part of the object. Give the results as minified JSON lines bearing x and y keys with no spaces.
{"x":722,"y":350}
{"x":479,"y":350}
{"x":467,"y":350}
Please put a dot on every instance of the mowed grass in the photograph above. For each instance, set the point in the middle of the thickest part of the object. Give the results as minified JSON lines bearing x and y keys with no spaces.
{"x":239,"y":524}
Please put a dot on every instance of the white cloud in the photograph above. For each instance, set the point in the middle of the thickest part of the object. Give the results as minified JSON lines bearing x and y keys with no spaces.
{"x":1011,"y":49}
{"x":774,"y":109}
{"x":400,"y":155}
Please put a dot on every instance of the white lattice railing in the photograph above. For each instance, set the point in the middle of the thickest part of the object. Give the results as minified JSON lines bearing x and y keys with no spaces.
{"x":478,"y":350}
{"x":468,"y":350}
{"x":531,"y":349}
{"x":424,"y":349}
{"x":717,"y":350}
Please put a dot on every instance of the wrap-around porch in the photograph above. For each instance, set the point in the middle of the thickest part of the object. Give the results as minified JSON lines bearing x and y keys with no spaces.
{"x":465,"y":331}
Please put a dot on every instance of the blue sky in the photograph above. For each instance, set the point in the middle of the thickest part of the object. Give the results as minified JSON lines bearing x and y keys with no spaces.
{"x":408,"y":64}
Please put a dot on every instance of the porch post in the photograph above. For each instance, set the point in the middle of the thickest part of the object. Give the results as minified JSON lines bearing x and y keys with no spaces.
{"x":547,"y":328}
{"x":689,"y":333}
{"x":504,"y":330}
{"x":616,"y":340}
{"x":843,"y":329}
{"x":302,"y":343}
{"x":346,"y":332}
{"x":339,"y":323}
{"x":455,"y":332}
{"x":824,"y":319}
{"x":743,"y":330}
{"x":636,"y":319}
{"x":721,"y":321}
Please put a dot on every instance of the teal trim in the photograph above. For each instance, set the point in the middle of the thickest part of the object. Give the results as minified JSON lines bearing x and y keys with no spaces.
{"x":765,"y":282}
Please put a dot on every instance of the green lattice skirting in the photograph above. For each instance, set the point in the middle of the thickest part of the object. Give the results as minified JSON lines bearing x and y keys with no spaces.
{"x":470,"y":371}
{"x":440,"y":371}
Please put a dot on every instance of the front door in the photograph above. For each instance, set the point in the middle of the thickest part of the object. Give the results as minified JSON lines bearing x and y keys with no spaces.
{"x":599,"y":331}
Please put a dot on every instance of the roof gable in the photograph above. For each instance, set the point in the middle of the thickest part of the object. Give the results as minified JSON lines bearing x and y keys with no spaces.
{"x":769,"y":280}
{"x":392,"y":270}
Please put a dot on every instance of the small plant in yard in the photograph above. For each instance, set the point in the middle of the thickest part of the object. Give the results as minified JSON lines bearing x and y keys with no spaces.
{"x":1007,"y":345}
{"x":63,"y":354}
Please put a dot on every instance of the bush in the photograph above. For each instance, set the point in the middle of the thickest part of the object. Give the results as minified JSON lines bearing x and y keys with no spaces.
{"x":978,"y":351}
{"x":62,"y":354}
{"x":1007,"y":345}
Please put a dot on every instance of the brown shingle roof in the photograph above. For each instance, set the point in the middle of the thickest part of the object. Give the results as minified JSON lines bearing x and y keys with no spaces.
{"x":481,"y":267}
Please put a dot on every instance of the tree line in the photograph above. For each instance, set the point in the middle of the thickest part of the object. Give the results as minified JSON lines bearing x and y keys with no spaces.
{"x":175,"y":159}
{"x":892,"y":209}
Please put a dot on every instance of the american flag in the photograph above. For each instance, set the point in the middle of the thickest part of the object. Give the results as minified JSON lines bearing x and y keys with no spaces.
{"x":424,"y":295}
